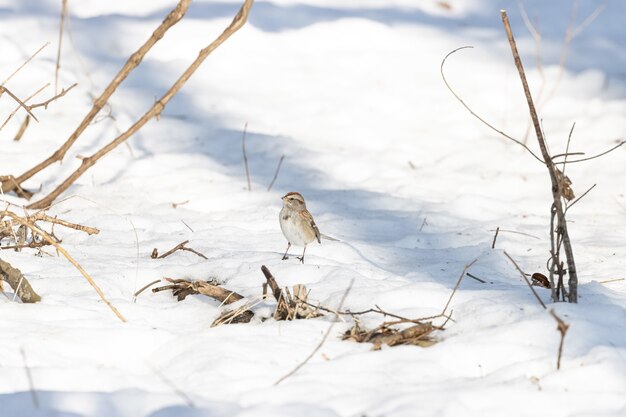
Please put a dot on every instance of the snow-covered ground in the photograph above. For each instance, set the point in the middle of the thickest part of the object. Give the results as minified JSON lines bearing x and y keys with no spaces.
{"x":388,"y":161}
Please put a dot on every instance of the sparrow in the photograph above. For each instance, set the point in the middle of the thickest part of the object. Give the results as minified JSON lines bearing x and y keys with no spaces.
{"x":297,"y":223}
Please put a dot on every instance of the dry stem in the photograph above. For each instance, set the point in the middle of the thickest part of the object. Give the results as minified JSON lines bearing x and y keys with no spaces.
{"x":280,"y":162}
{"x":562,"y":327}
{"x":180,"y":246}
{"x":67,"y":256}
{"x":556,"y":189}
{"x":238,"y":21}
{"x":135,"y":59}
{"x":526,"y":279}
{"x":61,"y":27}
{"x":22,"y":129}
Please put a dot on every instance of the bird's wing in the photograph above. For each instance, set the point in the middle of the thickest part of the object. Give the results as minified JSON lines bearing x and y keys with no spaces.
{"x":306,"y":216}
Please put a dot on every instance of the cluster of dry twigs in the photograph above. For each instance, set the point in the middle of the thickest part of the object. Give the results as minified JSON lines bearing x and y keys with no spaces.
{"x":562,"y":193}
{"x":14,"y":183}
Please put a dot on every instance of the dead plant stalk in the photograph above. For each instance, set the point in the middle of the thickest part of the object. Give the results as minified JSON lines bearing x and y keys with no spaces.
{"x":238,"y":21}
{"x":67,"y":256}
{"x":135,"y":59}
{"x":557,"y":191}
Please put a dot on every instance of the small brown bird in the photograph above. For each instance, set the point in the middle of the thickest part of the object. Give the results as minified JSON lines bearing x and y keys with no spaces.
{"x":297,"y":223}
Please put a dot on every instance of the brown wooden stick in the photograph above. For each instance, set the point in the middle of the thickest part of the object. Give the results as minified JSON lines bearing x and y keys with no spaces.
{"x":20,"y":102}
{"x":18,"y":282}
{"x":182,"y":288}
{"x":19,"y":106}
{"x":155,"y":110}
{"x":41,"y":216}
{"x":180,"y":246}
{"x":22,"y":129}
{"x":135,"y":59}
{"x":67,"y":256}
{"x":556,"y":189}
{"x":271,"y":281}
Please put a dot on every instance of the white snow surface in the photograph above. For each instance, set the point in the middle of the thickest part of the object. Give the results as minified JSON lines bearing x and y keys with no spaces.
{"x":388,"y":161}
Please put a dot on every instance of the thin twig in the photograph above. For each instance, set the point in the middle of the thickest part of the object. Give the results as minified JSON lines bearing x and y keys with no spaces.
{"x":61,"y":27}
{"x":22,"y":129}
{"x":456,"y":286}
{"x":45,"y":104}
{"x":562,"y":327}
{"x":245,"y":155}
{"x":578,"y":199}
{"x":476,"y":278}
{"x":460,"y":100}
{"x":495,"y":236}
{"x":621,"y":143}
{"x":180,"y":246}
{"x":19,"y":106}
{"x":24,"y":64}
{"x":20,"y":102}
{"x":321,"y":343}
{"x":280,"y":162}
{"x":145,"y":287}
{"x":526,"y":279}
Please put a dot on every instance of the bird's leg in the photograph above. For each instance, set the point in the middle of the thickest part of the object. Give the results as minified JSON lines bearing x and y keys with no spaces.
{"x":301,"y":258}
{"x":285,"y":255}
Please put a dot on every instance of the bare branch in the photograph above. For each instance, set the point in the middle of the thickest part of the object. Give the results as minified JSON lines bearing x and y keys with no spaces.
{"x":595,"y":156}
{"x":468,"y":266}
{"x":20,"y":102}
{"x":562,"y":327}
{"x":238,"y":21}
{"x":180,"y":246}
{"x":472,"y":112}
{"x":526,"y":279}
{"x":67,"y":256}
{"x":280,"y":162}
{"x":45,"y":104}
{"x":557,"y":191}
{"x":135,"y":59}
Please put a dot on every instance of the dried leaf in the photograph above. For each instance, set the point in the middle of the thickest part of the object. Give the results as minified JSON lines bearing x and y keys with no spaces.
{"x":540,"y":280}
{"x":565,"y":185}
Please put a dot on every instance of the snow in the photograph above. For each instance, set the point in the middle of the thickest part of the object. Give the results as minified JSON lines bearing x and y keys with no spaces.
{"x":387,"y":161}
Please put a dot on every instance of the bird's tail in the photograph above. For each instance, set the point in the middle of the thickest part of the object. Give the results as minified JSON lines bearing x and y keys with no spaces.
{"x":323,"y":236}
